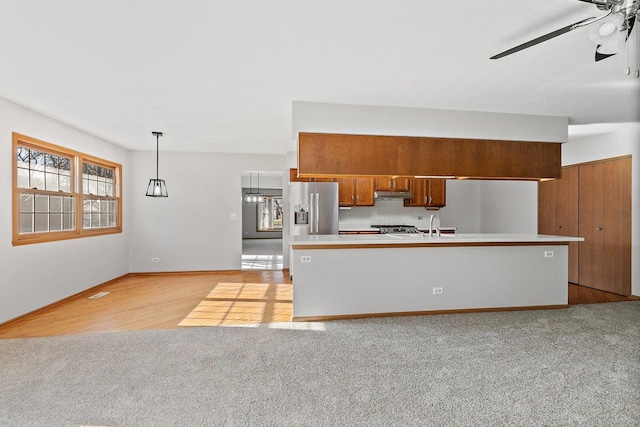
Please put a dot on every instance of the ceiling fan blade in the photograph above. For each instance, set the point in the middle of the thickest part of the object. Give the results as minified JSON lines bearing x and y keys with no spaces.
{"x":603,"y":2}
{"x":544,"y":38}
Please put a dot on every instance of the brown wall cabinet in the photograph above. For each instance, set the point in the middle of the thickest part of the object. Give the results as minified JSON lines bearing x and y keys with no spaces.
{"x":593,"y":202}
{"x":392,"y":184}
{"x":355,"y":191}
{"x":427,"y":193}
{"x":334,"y":155}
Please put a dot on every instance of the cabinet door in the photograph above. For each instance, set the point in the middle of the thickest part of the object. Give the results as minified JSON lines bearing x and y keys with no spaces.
{"x":384,"y":184}
{"x":591,"y":210}
{"x":616,"y":225}
{"x":400,"y":184}
{"x":419,"y":192}
{"x":364,"y":192}
{"x":346,"y":191}
{"x":437,"y":193}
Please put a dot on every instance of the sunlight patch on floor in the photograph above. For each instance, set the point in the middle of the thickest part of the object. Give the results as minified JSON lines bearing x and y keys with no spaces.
{"x":242,"y":304}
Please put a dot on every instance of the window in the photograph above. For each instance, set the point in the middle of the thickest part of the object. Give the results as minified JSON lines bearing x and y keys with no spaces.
{"x":51,"y":201}
{"x":269,"y":214}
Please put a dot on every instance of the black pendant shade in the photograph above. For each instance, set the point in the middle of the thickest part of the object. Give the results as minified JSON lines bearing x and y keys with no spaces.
{"x":157,"y":186}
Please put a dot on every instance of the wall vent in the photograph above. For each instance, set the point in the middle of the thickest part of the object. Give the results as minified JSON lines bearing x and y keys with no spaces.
{"x":99,"y":295}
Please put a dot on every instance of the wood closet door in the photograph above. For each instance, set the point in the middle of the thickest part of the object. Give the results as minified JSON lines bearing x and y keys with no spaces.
{"x":605,"y":224}
{"x":617,"y":226}
{"x":591,"y":195}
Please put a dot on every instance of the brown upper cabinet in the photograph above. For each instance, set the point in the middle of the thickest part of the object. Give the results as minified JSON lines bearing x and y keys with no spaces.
{"x":293,"y":177}
{"x":355,"y":191}
{"x":427,"y":193}
{"x":331,"y":155}
{"x":392,"y":184}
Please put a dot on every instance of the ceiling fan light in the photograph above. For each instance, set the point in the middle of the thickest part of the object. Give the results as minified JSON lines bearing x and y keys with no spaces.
{"x":612,"y":47}
{"x":609,"y":28}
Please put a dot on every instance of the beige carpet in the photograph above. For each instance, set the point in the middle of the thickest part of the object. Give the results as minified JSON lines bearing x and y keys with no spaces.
{"x":579,"y":366}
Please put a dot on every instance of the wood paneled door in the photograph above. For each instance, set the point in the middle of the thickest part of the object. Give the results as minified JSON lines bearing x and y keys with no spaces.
{"x":605,"y":224}
{"x":592,"y":200}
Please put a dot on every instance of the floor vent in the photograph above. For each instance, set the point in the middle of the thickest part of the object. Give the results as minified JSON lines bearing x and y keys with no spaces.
{"x":99,"y":295}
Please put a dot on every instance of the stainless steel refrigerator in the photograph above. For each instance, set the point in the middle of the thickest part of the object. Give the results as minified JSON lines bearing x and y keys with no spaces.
{"x":313,"y":208}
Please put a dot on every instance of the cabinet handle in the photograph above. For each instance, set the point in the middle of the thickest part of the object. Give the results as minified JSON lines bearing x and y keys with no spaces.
{"x":425,"y":199}
{"x":430,"y":199}
{"x":357,"y":198}
{"x":598,"y":228}
{"x":559,"y":226}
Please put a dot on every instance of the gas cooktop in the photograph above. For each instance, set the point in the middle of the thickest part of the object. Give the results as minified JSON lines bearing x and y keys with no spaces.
{"x":396,"y":229}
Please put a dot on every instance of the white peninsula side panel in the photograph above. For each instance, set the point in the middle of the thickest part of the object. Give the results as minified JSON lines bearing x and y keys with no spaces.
{"x":356,"y":281}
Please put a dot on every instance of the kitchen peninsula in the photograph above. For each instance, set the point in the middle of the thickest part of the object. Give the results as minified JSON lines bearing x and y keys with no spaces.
{"x":350,"y":276}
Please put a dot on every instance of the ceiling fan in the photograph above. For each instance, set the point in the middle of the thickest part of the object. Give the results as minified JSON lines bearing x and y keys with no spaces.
{"x":610,"y":35}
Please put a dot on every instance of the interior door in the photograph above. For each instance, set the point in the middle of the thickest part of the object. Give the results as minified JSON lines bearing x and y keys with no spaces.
{"x":591,"y":211}
{"x":617,"y":226}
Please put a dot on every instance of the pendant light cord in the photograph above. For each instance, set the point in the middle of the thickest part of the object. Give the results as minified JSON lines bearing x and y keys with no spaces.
{"x":157,"y":156}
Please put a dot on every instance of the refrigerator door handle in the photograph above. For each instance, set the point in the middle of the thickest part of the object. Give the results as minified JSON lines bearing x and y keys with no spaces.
{"x":312,"y":213}
{"x":317,"y":217}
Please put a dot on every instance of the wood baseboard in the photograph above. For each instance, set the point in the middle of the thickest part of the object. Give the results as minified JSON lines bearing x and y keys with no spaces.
{"x":424,"y":313}
{"x":37,"y":311}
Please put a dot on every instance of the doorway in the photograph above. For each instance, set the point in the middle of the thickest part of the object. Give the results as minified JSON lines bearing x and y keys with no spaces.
{"x":262,"y":218}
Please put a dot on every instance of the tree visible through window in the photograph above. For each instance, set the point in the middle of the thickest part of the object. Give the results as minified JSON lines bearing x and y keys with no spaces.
{"x":52,"y":202}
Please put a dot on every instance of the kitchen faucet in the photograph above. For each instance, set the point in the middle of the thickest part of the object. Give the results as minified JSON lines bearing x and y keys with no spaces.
{"x":431,"y":227}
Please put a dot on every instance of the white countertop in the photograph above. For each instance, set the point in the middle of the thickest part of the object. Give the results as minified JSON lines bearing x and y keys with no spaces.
{"x":404,"y":239}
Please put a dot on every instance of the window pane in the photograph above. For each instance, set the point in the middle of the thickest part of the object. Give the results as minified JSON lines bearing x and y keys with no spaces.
{"x":112,"y":220}
{"x":68,"y":221}
{"x":65,"y":166}
{"x":101,"y":189}
{"x":26,"y":223}
{"x":37,"y":180}
{"x":26,"y":202}
{"x":41,"y":222}
{"x":42,"y":203}
{"x":55,"y":222}
{"x":68,"y":204}
{"x":93,"y":187}
{"x":23,"y":178}
{"x":51,"y":164}
{"x":104,"y":219}
{"x":22,"y":157}
{"x":86,"y":220}
{"x":65,"y":183}
{"x":108,"y":189}
{"x":51,"y":181}
{"x":37,"y":160}
{"x":55,"y":204}
{"x":95,"y":221}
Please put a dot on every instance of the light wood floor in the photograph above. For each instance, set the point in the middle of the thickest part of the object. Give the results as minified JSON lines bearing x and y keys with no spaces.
{"x":167,"y":301}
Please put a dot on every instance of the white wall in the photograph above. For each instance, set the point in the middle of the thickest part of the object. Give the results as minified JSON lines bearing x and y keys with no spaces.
{"x":38,"y":274}
{"x":191,"y":230}
{"x":625,"y":141}
{"x":375,"y":120}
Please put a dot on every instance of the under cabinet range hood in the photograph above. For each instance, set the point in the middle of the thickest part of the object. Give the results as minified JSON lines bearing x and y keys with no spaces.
{"x":381,"y":195}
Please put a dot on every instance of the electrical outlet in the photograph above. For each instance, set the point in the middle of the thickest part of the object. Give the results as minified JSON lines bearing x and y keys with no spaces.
{"x":305,"y":258}
{"x":155,"y":259}
{"x":438,"y":291}
{"x":548,"y":254}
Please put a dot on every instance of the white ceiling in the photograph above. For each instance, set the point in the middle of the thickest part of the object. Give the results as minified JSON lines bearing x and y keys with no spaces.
{"x":221,"y":75}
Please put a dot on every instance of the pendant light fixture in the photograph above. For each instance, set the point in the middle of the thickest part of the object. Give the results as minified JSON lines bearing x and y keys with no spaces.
{"x":251,"y":196}
{"x":157,"y":187}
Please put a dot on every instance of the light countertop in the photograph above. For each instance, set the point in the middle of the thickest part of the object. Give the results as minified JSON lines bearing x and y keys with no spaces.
{"x":422,"y":240}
